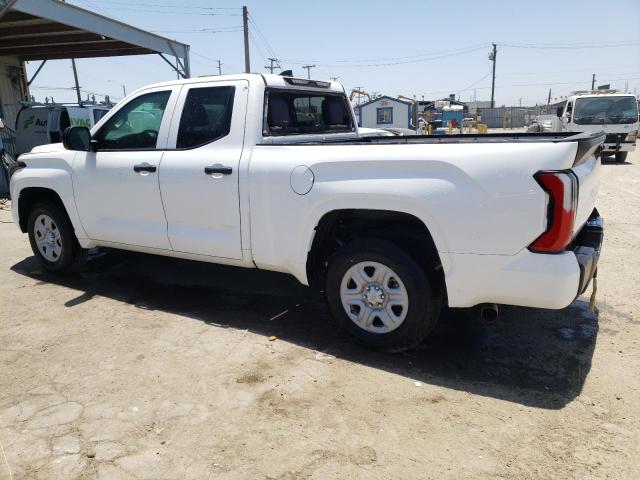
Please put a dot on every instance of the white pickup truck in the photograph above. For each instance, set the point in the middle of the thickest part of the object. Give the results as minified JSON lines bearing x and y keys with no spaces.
{"x":264,"y":171}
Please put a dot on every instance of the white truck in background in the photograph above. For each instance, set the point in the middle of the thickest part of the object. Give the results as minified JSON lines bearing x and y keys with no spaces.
{"x":41,"y":124}
{"x":603,"y":110}
{"x":265,"y":171}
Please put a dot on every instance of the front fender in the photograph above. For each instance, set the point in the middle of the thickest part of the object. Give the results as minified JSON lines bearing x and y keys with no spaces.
{"x":53,"y":174}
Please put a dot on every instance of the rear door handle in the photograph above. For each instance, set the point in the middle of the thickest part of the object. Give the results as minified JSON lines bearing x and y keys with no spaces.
{"x":144,"y":167}
{"x":219,"y":169}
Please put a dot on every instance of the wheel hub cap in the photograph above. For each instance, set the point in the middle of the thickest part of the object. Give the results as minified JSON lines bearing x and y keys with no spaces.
{"x":47,"y":237}
{"x":374,"y":296}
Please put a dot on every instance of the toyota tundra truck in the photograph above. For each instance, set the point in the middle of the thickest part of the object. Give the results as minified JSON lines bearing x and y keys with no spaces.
{"x":269,"y":172}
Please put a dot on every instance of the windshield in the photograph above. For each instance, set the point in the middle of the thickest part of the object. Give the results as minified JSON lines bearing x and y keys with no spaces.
{"x":599,"y":110}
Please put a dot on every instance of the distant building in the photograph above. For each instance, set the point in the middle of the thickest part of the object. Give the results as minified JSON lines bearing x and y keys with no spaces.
{"x":385,"y":112}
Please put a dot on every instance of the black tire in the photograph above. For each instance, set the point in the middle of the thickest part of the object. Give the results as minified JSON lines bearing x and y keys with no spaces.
{"x":621,"y":157}
{"x":424,"y":300}
{"x":71,"y":255}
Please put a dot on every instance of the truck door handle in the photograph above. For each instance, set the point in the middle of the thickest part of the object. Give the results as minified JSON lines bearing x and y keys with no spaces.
{"x":219,"y":169}
{"x":144,"y":167}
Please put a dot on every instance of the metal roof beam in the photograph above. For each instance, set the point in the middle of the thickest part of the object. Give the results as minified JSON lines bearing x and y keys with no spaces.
{"x":70,"y":15}
{"x":83,"y":19}
{"x":50,"y":40}
{"x":89,"y":54}
{"x":32,"y":30}
{"x":69,"y":49}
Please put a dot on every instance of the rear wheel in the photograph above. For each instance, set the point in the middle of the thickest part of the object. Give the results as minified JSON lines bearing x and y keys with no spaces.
{"x":621,"y":156}
{"x":52,"y":239}
{"x":380,"y":295}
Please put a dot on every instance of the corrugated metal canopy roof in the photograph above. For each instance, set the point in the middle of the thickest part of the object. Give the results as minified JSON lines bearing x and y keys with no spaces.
{"x":49,"y":29}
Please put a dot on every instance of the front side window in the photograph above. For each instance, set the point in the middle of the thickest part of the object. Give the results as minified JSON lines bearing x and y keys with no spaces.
{"x":384,"y":115}
{"x":136,"y":125}
{"x":599,"y":110}
{"x":206,"y":116}
{"x":297,"y":113}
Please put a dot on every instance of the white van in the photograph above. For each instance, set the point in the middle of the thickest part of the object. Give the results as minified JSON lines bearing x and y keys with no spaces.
{"x":44,"y":124}
{"x":615,"y":113}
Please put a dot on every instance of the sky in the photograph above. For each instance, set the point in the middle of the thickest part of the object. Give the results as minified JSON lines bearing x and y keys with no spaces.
{"x":425,"y":49}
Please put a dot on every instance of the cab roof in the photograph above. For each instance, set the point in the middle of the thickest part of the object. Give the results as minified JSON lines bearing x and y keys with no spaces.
{"x":267,"y":79}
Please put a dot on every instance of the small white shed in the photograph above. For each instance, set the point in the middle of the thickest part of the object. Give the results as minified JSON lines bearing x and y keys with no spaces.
{"x":385,"y":112}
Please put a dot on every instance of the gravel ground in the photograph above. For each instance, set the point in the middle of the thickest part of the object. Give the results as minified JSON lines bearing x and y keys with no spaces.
{"x":153,"y":368}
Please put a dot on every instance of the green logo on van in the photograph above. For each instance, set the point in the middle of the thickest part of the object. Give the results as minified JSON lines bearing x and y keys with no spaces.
{"x":28,"y":122}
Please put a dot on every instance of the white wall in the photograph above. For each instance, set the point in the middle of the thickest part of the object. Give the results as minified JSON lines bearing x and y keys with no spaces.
{"x":11,"y":89}
{"x":369,"y":114}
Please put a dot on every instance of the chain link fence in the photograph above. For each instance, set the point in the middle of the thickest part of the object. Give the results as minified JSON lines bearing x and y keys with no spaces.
{"x":511,"y":117}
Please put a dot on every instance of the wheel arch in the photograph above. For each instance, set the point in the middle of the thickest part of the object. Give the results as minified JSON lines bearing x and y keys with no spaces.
{"x":336,"y":227}
{"x":29,"y":196}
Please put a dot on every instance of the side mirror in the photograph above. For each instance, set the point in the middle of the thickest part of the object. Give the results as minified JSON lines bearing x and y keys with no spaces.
{"x":77,"y":138}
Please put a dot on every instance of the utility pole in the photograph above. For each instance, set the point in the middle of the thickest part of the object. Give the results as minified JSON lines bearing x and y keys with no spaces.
{"x":593,"y":81}
{"x":75,"y":77}
{"x":308,"y":67}
{"x":334,"y":79}
{"x":273,"y":64}
{"x":245,"y":24}
{"x":219,"y":67}
{"x":492,"y":57}
{"x":124,"y":91}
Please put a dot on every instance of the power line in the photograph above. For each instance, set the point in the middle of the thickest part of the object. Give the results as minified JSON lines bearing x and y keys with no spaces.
{"x":273,"y":64}
{"x":175,"y":12}
{"x":203,"y":30}
{"x":572,"y":46}
{"x":343,"y":64}
{"x":308,"y":69}
{"x":262,"y":37}
{"x":383,"y":59}
{"x":473,"y":84}
{"x":192,"y":7}
{"x":575,"y":82}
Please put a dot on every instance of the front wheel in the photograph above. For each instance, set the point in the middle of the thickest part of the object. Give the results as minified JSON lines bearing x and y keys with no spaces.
{"x":621,"y":156}
{"x":380,"y":295}
{"x":52,"y":238}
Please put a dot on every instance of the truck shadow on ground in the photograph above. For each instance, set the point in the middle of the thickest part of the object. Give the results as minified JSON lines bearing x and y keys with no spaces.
{"x":612,"y":161}
{"x":533,"y":357}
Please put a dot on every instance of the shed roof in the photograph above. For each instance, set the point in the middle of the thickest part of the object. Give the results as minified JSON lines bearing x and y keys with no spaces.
{"x":50,"y":29}
{"x":384,"y":97}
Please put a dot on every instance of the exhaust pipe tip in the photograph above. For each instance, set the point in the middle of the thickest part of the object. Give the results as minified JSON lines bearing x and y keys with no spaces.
{"x":489,"y":312}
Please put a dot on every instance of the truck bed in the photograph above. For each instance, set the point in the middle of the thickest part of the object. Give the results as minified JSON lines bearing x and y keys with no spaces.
{"x":586,"y":139}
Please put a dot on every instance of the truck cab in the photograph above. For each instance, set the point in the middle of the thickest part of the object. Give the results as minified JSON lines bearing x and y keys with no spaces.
{"x":614,"y":113}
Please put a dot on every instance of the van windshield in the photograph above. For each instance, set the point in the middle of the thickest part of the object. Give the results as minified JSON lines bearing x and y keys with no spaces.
{"x":298,"y":113}
{"x":599,"y":110}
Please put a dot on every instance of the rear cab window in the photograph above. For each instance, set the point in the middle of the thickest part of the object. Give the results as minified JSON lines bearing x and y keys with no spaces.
{"x":296,"y":112}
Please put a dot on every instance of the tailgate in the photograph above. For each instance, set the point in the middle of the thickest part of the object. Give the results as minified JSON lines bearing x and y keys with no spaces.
{"x":587,"y":169}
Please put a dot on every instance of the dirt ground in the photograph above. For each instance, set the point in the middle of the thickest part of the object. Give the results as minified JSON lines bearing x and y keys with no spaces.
{"x":152,"y":368}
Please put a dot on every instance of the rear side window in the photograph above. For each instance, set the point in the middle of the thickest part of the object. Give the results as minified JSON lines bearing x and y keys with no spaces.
{"x":206,"y":116}
{"x":296,"y":113}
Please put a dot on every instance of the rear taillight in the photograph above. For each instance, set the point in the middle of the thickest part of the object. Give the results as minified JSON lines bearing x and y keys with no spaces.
{"x":562,"y":188}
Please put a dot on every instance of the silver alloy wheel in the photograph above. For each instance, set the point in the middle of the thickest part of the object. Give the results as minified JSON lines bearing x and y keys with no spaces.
{"x":47,"y":237}
{"x":374,"y":297}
